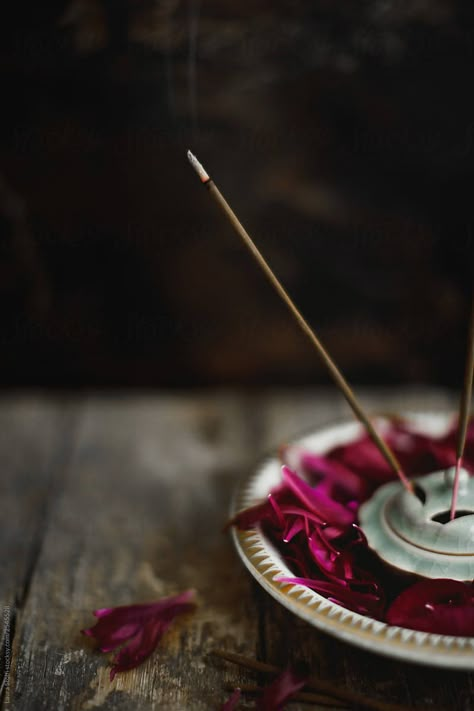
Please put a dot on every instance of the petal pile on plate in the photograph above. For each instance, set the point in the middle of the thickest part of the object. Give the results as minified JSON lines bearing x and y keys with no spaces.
{"x":311,"y":517}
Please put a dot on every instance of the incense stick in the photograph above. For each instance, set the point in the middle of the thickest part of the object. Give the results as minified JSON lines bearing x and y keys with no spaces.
{"x":464,"y":408}
{"x":305,"y":696}
{"x":334,"y":371}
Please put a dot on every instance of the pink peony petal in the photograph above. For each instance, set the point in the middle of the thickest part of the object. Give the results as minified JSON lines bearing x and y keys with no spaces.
{"x":286,"y":685}
{"x":294,"y":527}
{"x":140,"y":626}
{"x":364,"y":603}
{"x":318,"y":503}
{"x":328,"y":561}
{"x":252,"y":516}
{"x":275,"y":506}
{"x":139,"y":647}
{"x":440,"y":606}
{"x":363,"y":458}
{"x":232,"y":702}
{"x":337,"y":475}
{"x":303,"y":513}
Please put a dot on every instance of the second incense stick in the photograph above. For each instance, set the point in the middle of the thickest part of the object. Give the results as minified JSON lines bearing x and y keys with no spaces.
{"x":464,"y":409}
{"x":334,"y":371}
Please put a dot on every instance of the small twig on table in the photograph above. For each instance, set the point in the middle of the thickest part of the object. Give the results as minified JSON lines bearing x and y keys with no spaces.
{"x":306,"y":696}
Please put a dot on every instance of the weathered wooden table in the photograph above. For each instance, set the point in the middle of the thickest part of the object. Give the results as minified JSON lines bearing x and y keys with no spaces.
{"x":109,"y":500}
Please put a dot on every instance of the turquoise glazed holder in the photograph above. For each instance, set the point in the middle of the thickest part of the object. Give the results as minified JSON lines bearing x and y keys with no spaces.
{"x":413,"y":532}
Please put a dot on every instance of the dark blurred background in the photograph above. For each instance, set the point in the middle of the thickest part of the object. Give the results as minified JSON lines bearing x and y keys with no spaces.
{"x":342,"y":134}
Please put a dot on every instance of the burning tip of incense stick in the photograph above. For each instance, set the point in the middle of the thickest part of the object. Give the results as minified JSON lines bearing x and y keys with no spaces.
{"x":203,"y":176}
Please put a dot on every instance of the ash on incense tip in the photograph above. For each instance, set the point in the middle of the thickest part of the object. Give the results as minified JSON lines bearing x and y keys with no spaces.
{"x":198,"y":167}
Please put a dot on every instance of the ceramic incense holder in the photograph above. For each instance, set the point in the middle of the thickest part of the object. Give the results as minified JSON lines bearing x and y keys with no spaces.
{"x":414,"y":533}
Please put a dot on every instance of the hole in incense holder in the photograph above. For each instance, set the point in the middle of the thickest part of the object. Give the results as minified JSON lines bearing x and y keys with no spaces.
{"x":411,"y":533}
{"x":445,"y":516}
{"x":420,"y":493}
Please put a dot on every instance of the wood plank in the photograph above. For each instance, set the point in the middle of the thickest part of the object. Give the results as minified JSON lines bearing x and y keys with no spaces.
{"x":34,"y":443}
{"x":139,"y":518}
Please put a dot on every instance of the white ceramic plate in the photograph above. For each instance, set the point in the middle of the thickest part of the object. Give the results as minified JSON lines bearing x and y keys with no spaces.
{"x":266,"y":564}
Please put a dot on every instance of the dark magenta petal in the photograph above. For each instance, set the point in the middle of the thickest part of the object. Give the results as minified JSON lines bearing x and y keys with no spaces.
{"x":419,"y":453}
{"x":450,"y":441}
{"x":326,"y":588}
{"x":469,"y":447}
{"x":272,"y":500}
{"x":286,"y":685}
{"x":335,"y":473}
{"x":142,"y":645}
{"x":139,"y":647}
{"x":318,"y":503}
{"x":333,"y":532}
{"x":332,"y":564}
{"x":303,"y":513}
{"x":251,"y":517}
{"x":363,"y":458}
{"x":440,"y":606}
{"x":117,"y":624}
{"x":122,"y":635}
{"x":143,"y":611}
{"x":139,"y":626}
{"x":112,"y":631}
{"x":232,"y":702}
{"x":364,"y":603}
{"x":361,"y":537}
{"x":294,"y":527}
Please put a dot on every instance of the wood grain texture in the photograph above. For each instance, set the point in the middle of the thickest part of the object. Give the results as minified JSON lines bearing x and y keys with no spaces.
{"x":118,"y":499}
{"x":34,"y":443}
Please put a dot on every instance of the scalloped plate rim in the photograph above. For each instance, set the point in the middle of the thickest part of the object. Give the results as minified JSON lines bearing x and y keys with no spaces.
{"x":423,"y":648}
